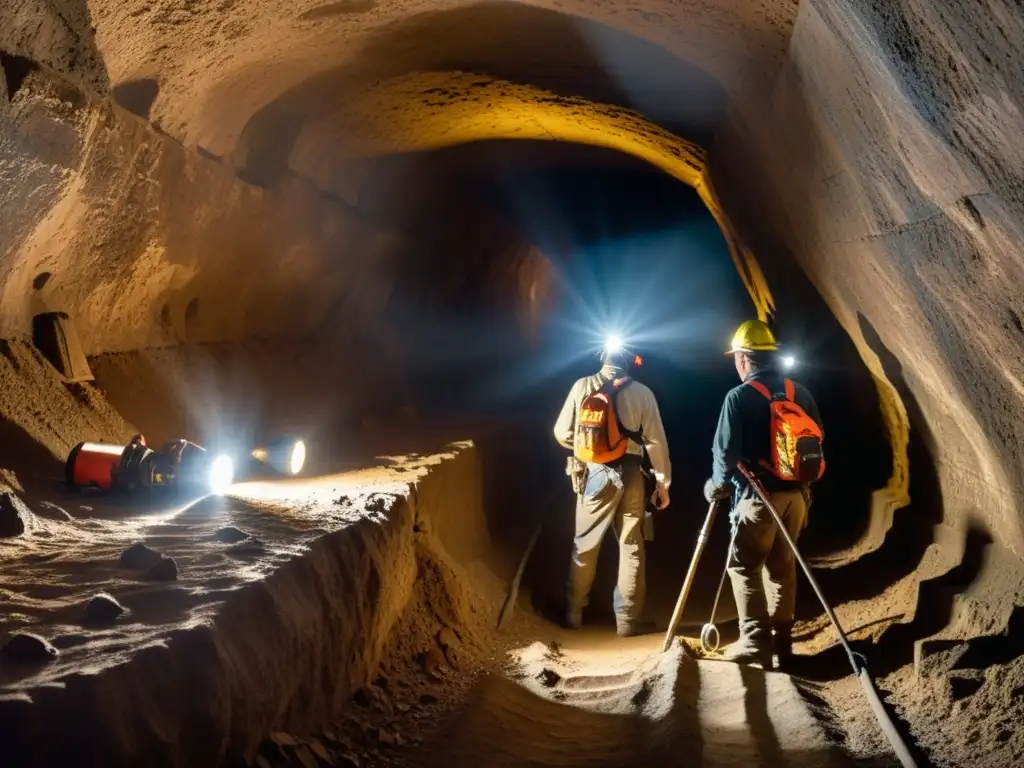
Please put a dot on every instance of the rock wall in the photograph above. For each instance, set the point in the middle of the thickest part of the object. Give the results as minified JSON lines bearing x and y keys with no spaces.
{"x":889,"y":160}
{"x":145,"y":243}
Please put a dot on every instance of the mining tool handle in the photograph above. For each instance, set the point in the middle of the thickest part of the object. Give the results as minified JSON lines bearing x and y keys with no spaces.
{"x":513,"y":590}
{"x":684,"y":593}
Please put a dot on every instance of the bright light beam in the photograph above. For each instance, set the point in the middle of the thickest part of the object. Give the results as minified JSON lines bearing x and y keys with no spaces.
{"x":222,"y":474}
{"x":612,"y":344}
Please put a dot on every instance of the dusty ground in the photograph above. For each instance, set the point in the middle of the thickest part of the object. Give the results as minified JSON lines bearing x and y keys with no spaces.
{"x":72,"y":547}
{"x":588,"y":698}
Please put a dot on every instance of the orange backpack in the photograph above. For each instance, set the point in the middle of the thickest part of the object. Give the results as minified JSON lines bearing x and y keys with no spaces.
{"x":796,"y":454}
{"x":600,"y":438}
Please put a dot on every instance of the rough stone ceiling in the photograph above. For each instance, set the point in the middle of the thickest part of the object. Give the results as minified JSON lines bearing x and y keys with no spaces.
{"x":219,"y":64}
{"x":276,"y":88}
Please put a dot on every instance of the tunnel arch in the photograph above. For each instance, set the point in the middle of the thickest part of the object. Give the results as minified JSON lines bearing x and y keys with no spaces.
{"x":491,"y":70}
{"x":460,"y":108}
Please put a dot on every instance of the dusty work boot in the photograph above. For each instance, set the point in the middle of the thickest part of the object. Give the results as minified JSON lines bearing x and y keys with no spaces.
{"x":748,"y":651}
{"x":749,"y":656}
{"x":782,"y":641}
{"x":634,"y":628}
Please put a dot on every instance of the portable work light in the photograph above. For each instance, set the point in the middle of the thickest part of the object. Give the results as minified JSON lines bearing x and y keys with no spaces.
{"x":285,"y":454}
{"x":177,"y":464}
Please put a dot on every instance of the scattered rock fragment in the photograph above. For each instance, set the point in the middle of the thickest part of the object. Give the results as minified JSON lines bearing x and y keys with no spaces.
{"x":165,"y":570}
{"x":262,"y":762}
{"x":377,"y":503}
{"x":549,"y":678}
{"x":102,"y":609}
{"x":428,"y":698}
{"x":12,"y":523}
{"x":434,"y":662}
{"x":321,"y":752}
{"x":306,"y":758}
{"x":283,"y":739}
{"x":139,"y":557}
{"x":230,"y":535}
{"x":27,"y":648}
{"x":348,"y":761}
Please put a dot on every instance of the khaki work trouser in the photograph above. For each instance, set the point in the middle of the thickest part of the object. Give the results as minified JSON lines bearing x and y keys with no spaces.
{"x":762,"y":567}
{"x":612,"y":498}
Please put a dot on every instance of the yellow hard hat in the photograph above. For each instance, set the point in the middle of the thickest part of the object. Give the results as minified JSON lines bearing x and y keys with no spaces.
{"x":753,"y":336}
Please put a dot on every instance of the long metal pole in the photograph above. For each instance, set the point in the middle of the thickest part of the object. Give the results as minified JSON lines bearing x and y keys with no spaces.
{"x":860,"y":670}
{"x":513,"y":590}
{"x":684,"y":593}
{"x":725,"y":572}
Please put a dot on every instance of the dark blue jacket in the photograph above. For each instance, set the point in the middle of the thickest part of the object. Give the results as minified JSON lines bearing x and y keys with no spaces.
{"x":743,"y":432}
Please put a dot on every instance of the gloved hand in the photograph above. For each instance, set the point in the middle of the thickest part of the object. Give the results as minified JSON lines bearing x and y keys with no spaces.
{"x":660,"y":496}
{"x":712,"y":493}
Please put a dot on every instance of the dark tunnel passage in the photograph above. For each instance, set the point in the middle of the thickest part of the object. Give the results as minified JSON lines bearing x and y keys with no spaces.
{"x":618,"y":246}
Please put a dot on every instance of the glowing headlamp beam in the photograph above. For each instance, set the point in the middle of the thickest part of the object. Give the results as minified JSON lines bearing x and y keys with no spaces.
{"x":612,"y":344}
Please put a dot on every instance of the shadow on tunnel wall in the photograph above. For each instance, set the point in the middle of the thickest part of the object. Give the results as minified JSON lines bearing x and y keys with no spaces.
{"x":933,"y":612}
{"x":562,"y":54}
{"x":25,"y":456}
{"x":913,"y":528}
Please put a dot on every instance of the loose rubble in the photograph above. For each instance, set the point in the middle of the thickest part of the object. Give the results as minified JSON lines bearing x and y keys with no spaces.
{"x":27,"y":648}
{"x":102,"y":609}
{"x":12,"y":522}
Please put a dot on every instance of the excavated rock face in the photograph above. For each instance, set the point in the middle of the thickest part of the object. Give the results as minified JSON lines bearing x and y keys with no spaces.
{"x":888,"y":164}
{"x":874,"y":145}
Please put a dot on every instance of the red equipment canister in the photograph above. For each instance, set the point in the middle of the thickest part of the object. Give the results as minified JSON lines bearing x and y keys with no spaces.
{"x":92,"y":465}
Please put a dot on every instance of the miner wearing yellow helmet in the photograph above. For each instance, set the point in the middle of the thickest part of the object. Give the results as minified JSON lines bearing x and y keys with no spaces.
{"x":755,"y":427}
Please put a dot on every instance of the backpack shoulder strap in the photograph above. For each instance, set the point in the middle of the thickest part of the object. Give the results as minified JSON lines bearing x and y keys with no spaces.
{"x":617,"y":386}
{"x":790,"y":391}
{"x":757,"y":385}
